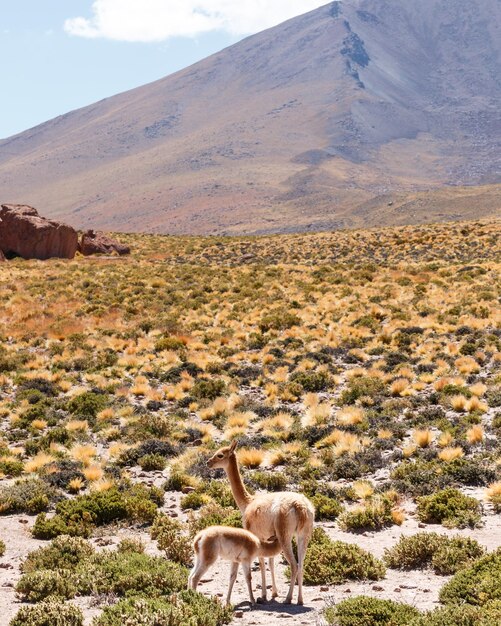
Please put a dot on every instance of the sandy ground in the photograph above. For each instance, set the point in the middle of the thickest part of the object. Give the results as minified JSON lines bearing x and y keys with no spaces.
{"x":419,"y":588}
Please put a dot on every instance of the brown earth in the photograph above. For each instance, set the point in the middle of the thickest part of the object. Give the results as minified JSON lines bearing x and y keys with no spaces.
{"x":360,"y":113}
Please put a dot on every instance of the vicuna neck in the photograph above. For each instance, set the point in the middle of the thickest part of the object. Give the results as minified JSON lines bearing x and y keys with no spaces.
{"x":240,"y":493}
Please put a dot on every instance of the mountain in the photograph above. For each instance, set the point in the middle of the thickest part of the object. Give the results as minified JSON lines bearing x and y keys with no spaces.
{"x":362,"y":112}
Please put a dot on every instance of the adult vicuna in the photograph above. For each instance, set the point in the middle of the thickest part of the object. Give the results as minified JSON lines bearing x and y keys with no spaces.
{"x":283,"y":515}
{"x":237,"y":545}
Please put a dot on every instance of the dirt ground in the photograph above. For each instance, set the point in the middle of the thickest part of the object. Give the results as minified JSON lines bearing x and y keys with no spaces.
{"x":418,"y":588}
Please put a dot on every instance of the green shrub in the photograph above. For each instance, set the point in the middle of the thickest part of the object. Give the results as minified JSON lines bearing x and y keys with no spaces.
{"x":449,"y":507}
{"x":374,"y":514}
{"x":77,"y":517}
{"x":131,"y":546}
{"x":11,"y":467}
{"x":214,"y":515}
{"x":49,"y":613}
{"x":477,"y":585}
{"x":87,"y":405}
{"x":152,"y":462}
{"x":170,"y":537}
{"x":41,"y":584}
{"x":366,"y":611}
{"x":194,"y":500}
{"x":178,"y":480}
{"x":446,"y":555}
{"x":184,"y":609}
{"x":209,"y":389}
{"x":413,"y":552}
{"x":27,"y":496}
{"x":333,"y":562}
{"x":278,"y":320}
{"x":270,"y":481}
{"x":463,"y":615}
{"x":64,"y":552}
{"x":220,"y":492}
{"x":360,"y":387}
{"x":130,"y":573}
{"x":2,"y":547}
{"x":325,"y":508}
{"x":455,"y":554}
{"x":311,"y":381}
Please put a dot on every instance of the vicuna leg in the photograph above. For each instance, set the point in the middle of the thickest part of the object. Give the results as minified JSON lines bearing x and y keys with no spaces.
{"x":248,"y":579}
{"x":233,"y":576}
{"x":262,"y":567}
{"x":271,"y":565}
{"x":302,"y":544}
{"x":286,"y":544}
{"x":201,"y":566}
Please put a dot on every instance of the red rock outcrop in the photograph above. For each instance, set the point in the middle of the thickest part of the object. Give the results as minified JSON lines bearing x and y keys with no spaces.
{"x":26,"y":234}
{"x":99,"y":243}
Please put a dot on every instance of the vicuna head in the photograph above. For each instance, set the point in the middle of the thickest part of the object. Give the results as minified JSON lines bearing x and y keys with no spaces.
{"x":222,"y":457}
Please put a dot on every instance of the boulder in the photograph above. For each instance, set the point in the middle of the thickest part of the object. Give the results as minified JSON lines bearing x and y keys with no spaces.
{"x":99,"y":243}
{"x":26,"y":234}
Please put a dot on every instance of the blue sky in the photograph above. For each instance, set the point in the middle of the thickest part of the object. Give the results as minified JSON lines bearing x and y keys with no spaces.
{"x":59,"y":55}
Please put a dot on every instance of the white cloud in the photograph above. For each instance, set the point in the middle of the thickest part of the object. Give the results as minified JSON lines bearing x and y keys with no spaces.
{"x":157,"y":20}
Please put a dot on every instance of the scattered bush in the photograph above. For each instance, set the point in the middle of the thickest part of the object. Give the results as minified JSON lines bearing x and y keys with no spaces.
{"x":477,"y":585}
{"x":325,"y":508}
{"x":184,"y":609}
{"x":64,"y":552}
{"x":334,"y":562}
{"x":2,"y":547}
{"x":449,"y":507}
{"x":366,"y":611}
{"x":49,"y":613}
{"x":152,"y":462}
{"x":465,"y":615}
{"x":170,"y":537}
{"x":27,"y":496}
{"x":446,"y":555}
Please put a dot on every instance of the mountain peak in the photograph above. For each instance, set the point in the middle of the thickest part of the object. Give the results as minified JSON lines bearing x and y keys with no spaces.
{"x":306,"y":124}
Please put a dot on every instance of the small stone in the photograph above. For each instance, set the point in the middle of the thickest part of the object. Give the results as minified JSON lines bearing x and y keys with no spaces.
{"x":324,"y":588}
{"x":397,"y":590}
{"x":347,"y":591}
{"x":238,"y":614}
{"x":421,"y":525}
{"x":188,"y":489}
{"x":23,"y":521}
{"x":377,"y":588}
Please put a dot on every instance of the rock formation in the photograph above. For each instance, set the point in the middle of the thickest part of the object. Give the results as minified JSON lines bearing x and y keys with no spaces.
{"x":99,"y":243}
{"x":24,"y":233}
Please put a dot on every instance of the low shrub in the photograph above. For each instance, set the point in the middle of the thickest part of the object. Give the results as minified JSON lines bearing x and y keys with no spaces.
{"x":194,"y":500}
{"x":366,"y":611}
{"x":311,"y":381}
{"x":27,"y":496}
{"x":446,"y":555}
{"x":214,"y":514}
{"x":184,"y":609}
{"x":77,"y":517}
{"x":334,"y":562}
{"x":49,"y":613}
{"x":372,"y":515}
{"x":464,"y":615}
{"x":269,"y":481}
{"x":131,"y":546}
{"x":449,"y":507}
{"x":326,"y":508}
{"x":477,"y":584}
{"x":11,"y":467}
{"x":2,"y":547}
{"x":87,"y":405}
{"x":41,"y":584}
{"x":170,"y":537}
{"x":64,"y":552}
{"x":152,"y":462}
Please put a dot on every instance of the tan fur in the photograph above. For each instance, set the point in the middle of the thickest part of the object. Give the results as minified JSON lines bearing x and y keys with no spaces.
{"x":237,"y":545}
{"x":283,"y":515}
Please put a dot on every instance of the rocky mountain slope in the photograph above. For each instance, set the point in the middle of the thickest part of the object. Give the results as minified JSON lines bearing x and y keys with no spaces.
{"x":336,"y":118}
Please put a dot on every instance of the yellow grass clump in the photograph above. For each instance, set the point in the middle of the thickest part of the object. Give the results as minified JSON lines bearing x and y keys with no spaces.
{"x":451,"y":454}
{"x":363,"y":489}
{"x":251,"y":457}
{"x":37,"y":462}
{"x":423,"y":438}
{"x":83,"y":453}
{"x":93,"y":472}
{"x":350,"y":415}
{"x":475,"y":434}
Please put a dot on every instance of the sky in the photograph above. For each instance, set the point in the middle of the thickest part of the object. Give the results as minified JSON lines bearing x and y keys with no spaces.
{"x":60,"y":55}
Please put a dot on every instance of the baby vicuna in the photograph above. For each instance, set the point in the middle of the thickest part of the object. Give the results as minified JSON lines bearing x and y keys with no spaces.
{"x":231,"y":544}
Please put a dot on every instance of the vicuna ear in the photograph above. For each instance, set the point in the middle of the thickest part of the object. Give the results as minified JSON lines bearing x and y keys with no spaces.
{"x":233,"y":445}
